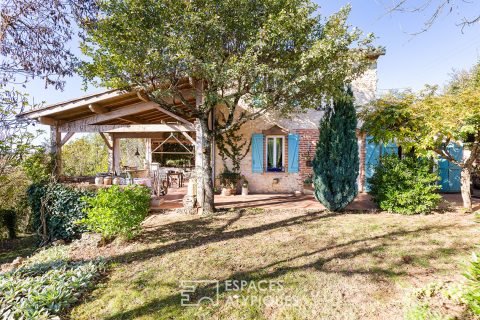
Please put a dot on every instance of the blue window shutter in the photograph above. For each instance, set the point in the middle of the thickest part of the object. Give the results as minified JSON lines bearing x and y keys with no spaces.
{"x":257,"y":153}
{"x":293,"y":149}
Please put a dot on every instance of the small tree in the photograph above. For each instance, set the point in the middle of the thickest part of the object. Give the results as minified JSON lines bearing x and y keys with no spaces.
{"x":428,"y":122}
{"x":247,"y":57}
{"x":335,"y":165}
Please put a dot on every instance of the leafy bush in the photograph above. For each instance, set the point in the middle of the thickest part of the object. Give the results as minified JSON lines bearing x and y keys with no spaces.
{"x":62,"y":204}
{"x":8,"y":218}
{"x":38,"y":166}
{"x":13,"y":196}
{"x":117,"y":212}
{"x":229,"y":178}
{"x":406,"y":186}
{"x":472,"y":291}
{"x":46,"y":285}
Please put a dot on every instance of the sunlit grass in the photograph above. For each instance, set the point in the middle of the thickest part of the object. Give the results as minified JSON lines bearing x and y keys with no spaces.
{"x":335,"y":266}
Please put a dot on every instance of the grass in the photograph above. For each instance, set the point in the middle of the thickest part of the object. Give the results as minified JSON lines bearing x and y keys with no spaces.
{"x":324,"y":265}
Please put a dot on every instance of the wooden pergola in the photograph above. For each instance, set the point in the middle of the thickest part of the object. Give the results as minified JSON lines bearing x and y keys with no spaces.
{"x":114,"y":114}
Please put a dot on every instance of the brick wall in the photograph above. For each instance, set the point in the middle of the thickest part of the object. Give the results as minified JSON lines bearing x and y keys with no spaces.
{"x":308,"y":141}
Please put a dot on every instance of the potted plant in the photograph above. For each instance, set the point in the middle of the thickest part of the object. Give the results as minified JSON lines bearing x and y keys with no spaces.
{"x":229,"y":181}
{"x":308,"y":182}
{"x":245,"y":187}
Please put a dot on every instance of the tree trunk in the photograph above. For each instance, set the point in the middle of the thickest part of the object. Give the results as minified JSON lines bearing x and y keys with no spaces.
{"x":465,"y":179}
{"x":203,"y":167}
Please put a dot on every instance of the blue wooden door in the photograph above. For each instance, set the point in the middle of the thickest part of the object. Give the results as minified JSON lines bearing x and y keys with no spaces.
{"x":373,"y":152}
{"x":450,"y":173}
{"x":372,"y":155}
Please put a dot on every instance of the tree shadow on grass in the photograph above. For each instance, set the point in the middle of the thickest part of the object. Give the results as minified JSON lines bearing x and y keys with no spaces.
{"x":291,"y":264}
{"x":189,"y":229}
{"x":205,"y":234}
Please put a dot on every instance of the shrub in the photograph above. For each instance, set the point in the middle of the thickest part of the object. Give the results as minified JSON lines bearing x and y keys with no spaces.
{"x":63,"y":205}
{"x":8,"y":218}
{"x":406,"y":186}
{"x":335,"y":166}
{"x":38,"y":166}
{"x":13,"y":197}
{"x":46,"y":285}
{"x":471,"y":293}
{"x":229,"y":179}
{"x":117,"y":212}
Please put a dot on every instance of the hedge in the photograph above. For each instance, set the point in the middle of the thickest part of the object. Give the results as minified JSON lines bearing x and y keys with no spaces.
{"x":63,"y":205}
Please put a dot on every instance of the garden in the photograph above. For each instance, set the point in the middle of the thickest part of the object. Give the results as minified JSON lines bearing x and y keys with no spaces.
{"x":82,"y":251}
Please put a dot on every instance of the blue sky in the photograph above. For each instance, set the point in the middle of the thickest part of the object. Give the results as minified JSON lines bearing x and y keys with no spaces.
{"x":410,"y":61}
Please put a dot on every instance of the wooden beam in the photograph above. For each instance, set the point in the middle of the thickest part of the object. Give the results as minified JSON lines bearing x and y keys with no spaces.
{"x":173,"y":115}
{"x":140,"y":135}
{"x":105,"y":139}
{"x":66,"y":138}
{"x":142,"y":96}
{"x":134,"y":120}
{"x":75,"y":104}
{"x":126,"y":128}
{"x":96,"y":108}
{"x":47,"y":121}
{"x":189,"y":138}
{"x":116,"y":114}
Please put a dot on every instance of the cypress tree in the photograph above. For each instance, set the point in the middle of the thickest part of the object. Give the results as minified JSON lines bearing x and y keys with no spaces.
{"x":336,"y":162}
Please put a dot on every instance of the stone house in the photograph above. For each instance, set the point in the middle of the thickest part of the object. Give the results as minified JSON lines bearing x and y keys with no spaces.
{"x":279,"y":159}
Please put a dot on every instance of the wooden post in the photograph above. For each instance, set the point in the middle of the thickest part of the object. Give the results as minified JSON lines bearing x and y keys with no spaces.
{"x":116,"y":154}
{"x":148,"y":153}
{"x":107,"y":138}
{"x":56,"y":150}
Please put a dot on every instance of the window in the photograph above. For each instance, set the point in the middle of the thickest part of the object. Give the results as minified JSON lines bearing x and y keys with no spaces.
{"x":275,"y":154}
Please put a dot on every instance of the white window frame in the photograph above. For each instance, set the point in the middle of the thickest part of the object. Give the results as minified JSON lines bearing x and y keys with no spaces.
{"x":275,"y":152}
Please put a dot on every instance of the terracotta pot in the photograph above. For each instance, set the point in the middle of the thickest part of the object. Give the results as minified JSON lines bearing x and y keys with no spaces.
{"x":99,"y":181}
{"x":107,"y":181}
{"x":228,"y":192}
{"x":116,"y":181}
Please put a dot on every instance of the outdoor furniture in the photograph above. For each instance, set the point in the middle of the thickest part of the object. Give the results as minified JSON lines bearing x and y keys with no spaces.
{"x":160,"y":184}
{"x":175,"y":177}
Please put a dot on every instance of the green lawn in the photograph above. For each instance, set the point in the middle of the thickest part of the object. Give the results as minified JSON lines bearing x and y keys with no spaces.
{"x":321,"y":265}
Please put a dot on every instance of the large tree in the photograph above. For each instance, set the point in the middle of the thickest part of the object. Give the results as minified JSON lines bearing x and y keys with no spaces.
{"x":34,"y":43}
{"x":243,"y":57}
{"x":427,"y":122}
{"x":335,"y":166}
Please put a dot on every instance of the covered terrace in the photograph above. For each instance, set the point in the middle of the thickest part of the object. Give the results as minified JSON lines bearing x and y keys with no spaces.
{"x":116,"y":115}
